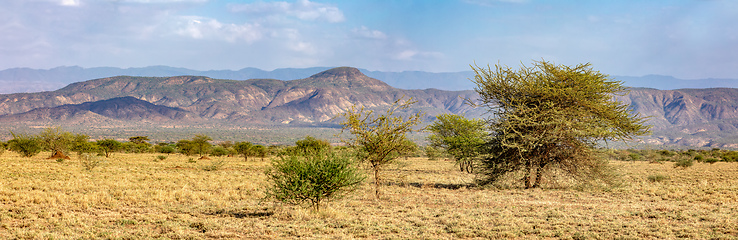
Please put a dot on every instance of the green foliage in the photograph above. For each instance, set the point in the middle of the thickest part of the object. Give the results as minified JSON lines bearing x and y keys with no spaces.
{"x":219,"y":151}
{"x":214,"y":165}
{"x":461,"y":137}
{"x":56,"y":140}
{"x":699,"y":158}
{"x":657,"y":177}
{"x":635,"y":156}
{"x":109,"y":146}
{"x":245,"y":149}
{"x":161,"y":158}
{"x":90,"y":161}
{"x":186,"y":147}
{"x":684,"y":163}
{"x":711,"y":160}
{"x":432,"y":153}
{"x":167,"y":149}
{"x":25,"y":145}
{"x":202,"y":146}
{"x":730,"y":156}
{"x":138,"y":139}
{"x":550,"y":117}
{"x":312,"y":146}
{"x":311,"y":179}
{"x":379,"y":138}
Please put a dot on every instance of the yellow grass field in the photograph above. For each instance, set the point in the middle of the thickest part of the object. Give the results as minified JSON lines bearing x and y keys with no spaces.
{"x":132,"y":196}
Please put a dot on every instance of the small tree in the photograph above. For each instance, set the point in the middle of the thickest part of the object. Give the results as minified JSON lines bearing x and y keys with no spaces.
{"x":109,"y":146}
{"x":25,"y":145}
{"x":260,"y":151}
{"x":461,"y":137}
{"x":139,"y":139}
{"x":312,"y":146}
{"x":380,"y":138}
{"x":201,"y":144}
{"x":186,"y":147}
{"x":56,"y":140}
{"x":313,"y":179}
{"x":551,"y":117}
{"x":245,"y":149}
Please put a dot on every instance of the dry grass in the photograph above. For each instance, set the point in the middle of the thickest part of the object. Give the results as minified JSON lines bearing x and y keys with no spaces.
{"x":135,"y":197}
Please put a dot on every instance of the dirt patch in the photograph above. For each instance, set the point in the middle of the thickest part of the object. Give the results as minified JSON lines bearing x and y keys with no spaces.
{"x":59,"y":155}
{"x":204,"y":158}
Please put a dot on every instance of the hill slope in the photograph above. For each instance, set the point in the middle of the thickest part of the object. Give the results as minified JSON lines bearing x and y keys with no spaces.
{"x":688,"y":117}
{"x":314,"y":99}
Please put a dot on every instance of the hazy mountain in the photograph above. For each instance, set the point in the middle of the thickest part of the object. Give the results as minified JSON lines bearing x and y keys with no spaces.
{"x":315,"y":99}
{"x":36,"y":80}
{"x":687,"y":117}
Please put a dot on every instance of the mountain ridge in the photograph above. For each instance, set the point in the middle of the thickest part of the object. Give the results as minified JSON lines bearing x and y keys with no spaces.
{"x":15,"y":80}
{"x":686,"y":117}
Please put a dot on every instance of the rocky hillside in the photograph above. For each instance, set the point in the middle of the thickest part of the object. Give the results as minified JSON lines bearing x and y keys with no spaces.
{"x":264,"y":101}
{"x":687,"y":117}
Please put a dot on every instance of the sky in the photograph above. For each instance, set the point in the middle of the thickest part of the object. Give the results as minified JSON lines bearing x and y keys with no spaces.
{"x":688,"y":39}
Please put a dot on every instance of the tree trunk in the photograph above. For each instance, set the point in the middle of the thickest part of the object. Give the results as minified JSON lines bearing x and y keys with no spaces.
{"x":539,"y":175}
{"x":526,"y":178}
{"x":376,"y":181}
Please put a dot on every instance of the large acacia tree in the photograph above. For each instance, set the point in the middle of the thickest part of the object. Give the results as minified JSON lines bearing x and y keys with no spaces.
{"x":549,"y":116}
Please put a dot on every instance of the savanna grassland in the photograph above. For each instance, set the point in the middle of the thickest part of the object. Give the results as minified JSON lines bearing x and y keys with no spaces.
{"x":138,"y":196}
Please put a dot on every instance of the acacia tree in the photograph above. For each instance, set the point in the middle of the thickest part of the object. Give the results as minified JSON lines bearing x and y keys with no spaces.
{"x":379,"y":138}
{"x":551,"y":116}
{"x":460,"y":137}
{"x":246,"y":149}
{"x":201,"y":144}
{"x":109,"y":146}
{"x":56,"y":140}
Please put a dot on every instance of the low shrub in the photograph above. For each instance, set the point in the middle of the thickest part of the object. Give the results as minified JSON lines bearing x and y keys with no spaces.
{"x":684,"y":163}
{"x":711,"y":160}
{"x":657,"y":178}
{"x":214,"y":166}
{"x":90,"y":161}
{"x":311,"y":179}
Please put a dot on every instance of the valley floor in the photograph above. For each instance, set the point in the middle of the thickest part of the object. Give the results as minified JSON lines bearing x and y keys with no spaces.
{"x":132,"y":196}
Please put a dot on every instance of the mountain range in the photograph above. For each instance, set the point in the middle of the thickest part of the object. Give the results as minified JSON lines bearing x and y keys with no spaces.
{"x":16,"y":80}
{"x":683,"y":117}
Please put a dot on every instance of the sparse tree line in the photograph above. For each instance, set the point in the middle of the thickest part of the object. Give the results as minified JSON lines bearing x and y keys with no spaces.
{"x":546,"y":121}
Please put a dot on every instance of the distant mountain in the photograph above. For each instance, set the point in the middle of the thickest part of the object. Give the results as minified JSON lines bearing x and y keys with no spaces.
{"x":684,"y":117}
{"x":16,"y":80}
{"x":315,"y":99}
{"x":121,"y":109}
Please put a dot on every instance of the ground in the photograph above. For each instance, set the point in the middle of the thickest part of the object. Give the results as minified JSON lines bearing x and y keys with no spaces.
{"x":138,"y":196}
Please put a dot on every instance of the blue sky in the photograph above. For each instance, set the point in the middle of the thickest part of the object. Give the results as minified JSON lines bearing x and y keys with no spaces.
{"x":687,"y":39}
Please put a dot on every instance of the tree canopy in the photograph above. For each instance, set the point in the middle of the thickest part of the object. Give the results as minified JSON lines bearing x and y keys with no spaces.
{"x":460,"y":137}
{"x":551,"y":116}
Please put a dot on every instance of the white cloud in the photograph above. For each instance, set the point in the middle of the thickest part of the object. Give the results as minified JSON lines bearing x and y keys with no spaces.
{"x":365,"y":32}
{"x":72,"y":3}
{"x":411,"y":55}
{"x":203,"y":28}
{"x":302,"y":9}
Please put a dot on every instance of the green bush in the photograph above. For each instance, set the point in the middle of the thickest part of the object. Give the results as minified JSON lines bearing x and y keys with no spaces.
{"x":214,"y":166}
{"x":657,"y":178}
{"x":219,"y":151}
{"x":635,"y":156}
{"x":684,"y":163}
{"x":711,"y":160}
{"x":161,"y":158}
{"x":699,"y":158}
{"x":311,"y":179}
{"x":731,"y":156}
{"x":25,"y":145}
{"x":167,"y":149}
{"x":90,"y":161}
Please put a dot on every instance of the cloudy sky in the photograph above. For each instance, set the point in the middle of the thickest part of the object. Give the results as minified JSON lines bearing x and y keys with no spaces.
{"x":683,"y":38}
